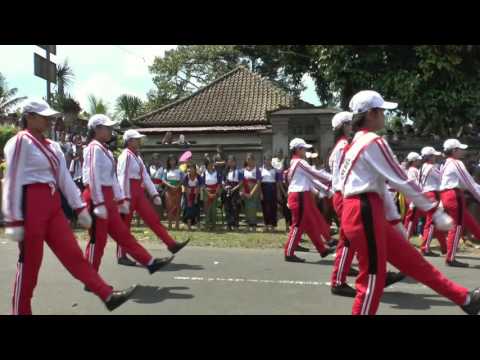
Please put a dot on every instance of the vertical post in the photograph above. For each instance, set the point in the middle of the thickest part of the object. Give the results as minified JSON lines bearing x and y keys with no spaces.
{"x":48,"y":80}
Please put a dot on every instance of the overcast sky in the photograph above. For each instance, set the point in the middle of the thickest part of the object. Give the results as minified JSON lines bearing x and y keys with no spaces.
{"x":105,"y":71}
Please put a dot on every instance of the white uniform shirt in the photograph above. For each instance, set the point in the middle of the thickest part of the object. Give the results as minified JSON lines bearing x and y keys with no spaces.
{"x":413,"y":174}
{"x":211,"y":178}
{"x":232,"y":176}
{"x":377,"y":164}
{"x":131,"y":166}
{"x":455,"y":176}
{"x":30,"y":161}
{"x":250,"y":174}
{"x":334,"y":163}
{"x":99,"y":169}
{"x":303,"y":177}
{"x":173,"y":174}
{"x":268,"y":176}
{"x":430,"y":177}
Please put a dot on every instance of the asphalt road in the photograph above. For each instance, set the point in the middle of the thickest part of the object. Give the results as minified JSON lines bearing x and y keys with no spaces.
{"x":223,"y":282}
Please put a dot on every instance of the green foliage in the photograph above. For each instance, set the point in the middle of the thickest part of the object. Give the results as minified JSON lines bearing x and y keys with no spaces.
{"x":8,"y":98}
{"x":128,"y":107}
{"x":65,"y":76}
{"x":6,"y":132}
{"x":65,"y":104}
{"x":96,"y":105}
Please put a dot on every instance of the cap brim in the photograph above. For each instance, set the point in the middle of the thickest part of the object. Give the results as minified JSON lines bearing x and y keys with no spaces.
{"x":110,"y":123}
{"x":437,"y":153}
{"x":49,"y":113}
{"x":139,"y":136}
{"x":463,"y":146}
{"x":389,"y":105}
{"x":306,"y":146}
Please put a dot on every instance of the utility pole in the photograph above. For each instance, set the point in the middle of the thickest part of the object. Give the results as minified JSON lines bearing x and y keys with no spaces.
{"x":49,"y":95}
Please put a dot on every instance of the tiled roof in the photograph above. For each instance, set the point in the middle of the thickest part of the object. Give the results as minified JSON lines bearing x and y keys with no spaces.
{"x":184,"y":129}
{"x":240,"y":97}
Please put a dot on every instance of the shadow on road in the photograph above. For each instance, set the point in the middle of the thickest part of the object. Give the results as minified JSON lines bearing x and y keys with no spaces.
{"x":155,"y":294}
{"x":401,"y":300}
{"x":321,"y":262}
{"x":176,"y":267}
{"x":468,"y":257}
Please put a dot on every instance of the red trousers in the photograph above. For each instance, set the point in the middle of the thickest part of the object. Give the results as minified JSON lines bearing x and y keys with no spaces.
{"x":113,"y":226}
{"x":46,"y":222}
{"x":143,"y":207}
{"x":411,"y":219}
{"x":305,"y":218}
{"x":344,"y":255}
{"x":376,"y":242}
{"x":454,"y":204}
{"x":429,"y":230}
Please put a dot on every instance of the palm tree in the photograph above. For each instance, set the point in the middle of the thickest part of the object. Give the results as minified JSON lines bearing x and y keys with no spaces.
{"x":129,"y":107}
{"x":96,"y":105}
{"x":65,"y":77}
{"x":7,"y":96}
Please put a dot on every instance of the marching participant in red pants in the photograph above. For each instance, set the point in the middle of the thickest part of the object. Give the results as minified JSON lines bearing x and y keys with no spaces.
{"x":341,"y":124}
{"x":103,"y":194}
{"x":414,"y":162}
{"x":368,"y":164}
{"x":36,"y":173}
{"x":133,"y":180}
{"x":305,"y":214}
{"x":456,"y":179}
{"x":430,"y":179}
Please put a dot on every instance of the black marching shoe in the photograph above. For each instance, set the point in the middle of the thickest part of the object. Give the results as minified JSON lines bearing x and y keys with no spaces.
{"x":86,"y":289}
{"x":119,"y":297}
{"x":430,"y":253}
{"x":332,"y":242}
{"x":473,"y":306}
{"x":178,"y":246}
{"x":393,"y":277}
{"x":353,"y":272}
{"x":327,"y":252}
{"x":124,"y":260}
{"x":301,"y":248}
{"x":458,"y":264}
{"x":343,"y":290}
{"x":294,"y":258}
{"x":159,"y":263}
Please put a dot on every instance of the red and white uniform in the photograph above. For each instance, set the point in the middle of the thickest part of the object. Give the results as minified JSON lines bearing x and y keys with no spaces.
{"x":102,"y":188}
{"x":134,"y":179}
{"x":430,"y":180}
{"x":368,"y":164}
{"x":303,"y":180}
{"x":36,"y":173}
{"x":455,"y":179}
{"x":413,"y":214}
{"x":344,"y":255}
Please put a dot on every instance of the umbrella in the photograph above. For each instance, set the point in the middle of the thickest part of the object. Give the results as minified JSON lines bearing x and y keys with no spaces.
{"x":187,"y":155}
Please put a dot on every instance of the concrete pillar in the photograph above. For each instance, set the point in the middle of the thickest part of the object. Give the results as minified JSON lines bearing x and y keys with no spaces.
{"x":280,"y":134}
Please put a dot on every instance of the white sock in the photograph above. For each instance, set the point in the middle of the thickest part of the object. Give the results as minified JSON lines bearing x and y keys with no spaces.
{"x":151,"y":261}
{"x":467,"y":300}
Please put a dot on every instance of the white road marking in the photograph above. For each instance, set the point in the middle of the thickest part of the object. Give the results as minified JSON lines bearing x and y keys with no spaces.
{"x":283,"y":282}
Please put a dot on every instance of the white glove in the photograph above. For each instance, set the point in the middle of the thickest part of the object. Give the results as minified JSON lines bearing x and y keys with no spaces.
{"x":401,"y":229}
{"x":15,"y":233}
{"x":124,"y":208}
{"x":157,"y":201}
{"x":411,"y":206}
{"x":101,"y":212}
{"x":443,"y":221}
{"x":84,"y":219}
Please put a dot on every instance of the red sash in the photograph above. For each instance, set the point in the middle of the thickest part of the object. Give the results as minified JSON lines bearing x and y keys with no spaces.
{"x":139,"y":163}
{"x":246,"y":185}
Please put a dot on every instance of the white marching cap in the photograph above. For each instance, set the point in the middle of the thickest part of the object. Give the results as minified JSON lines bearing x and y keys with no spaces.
{"x":369,"y":99}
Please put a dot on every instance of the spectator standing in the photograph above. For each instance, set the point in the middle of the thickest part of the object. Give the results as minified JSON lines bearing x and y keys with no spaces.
{"x":270,"y":178}
{"x":192,"y":184}
{"x":212,"y":181}
{"x":230,"y":197}
{"x":251,"y":191}
{"x":172,"y":179}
